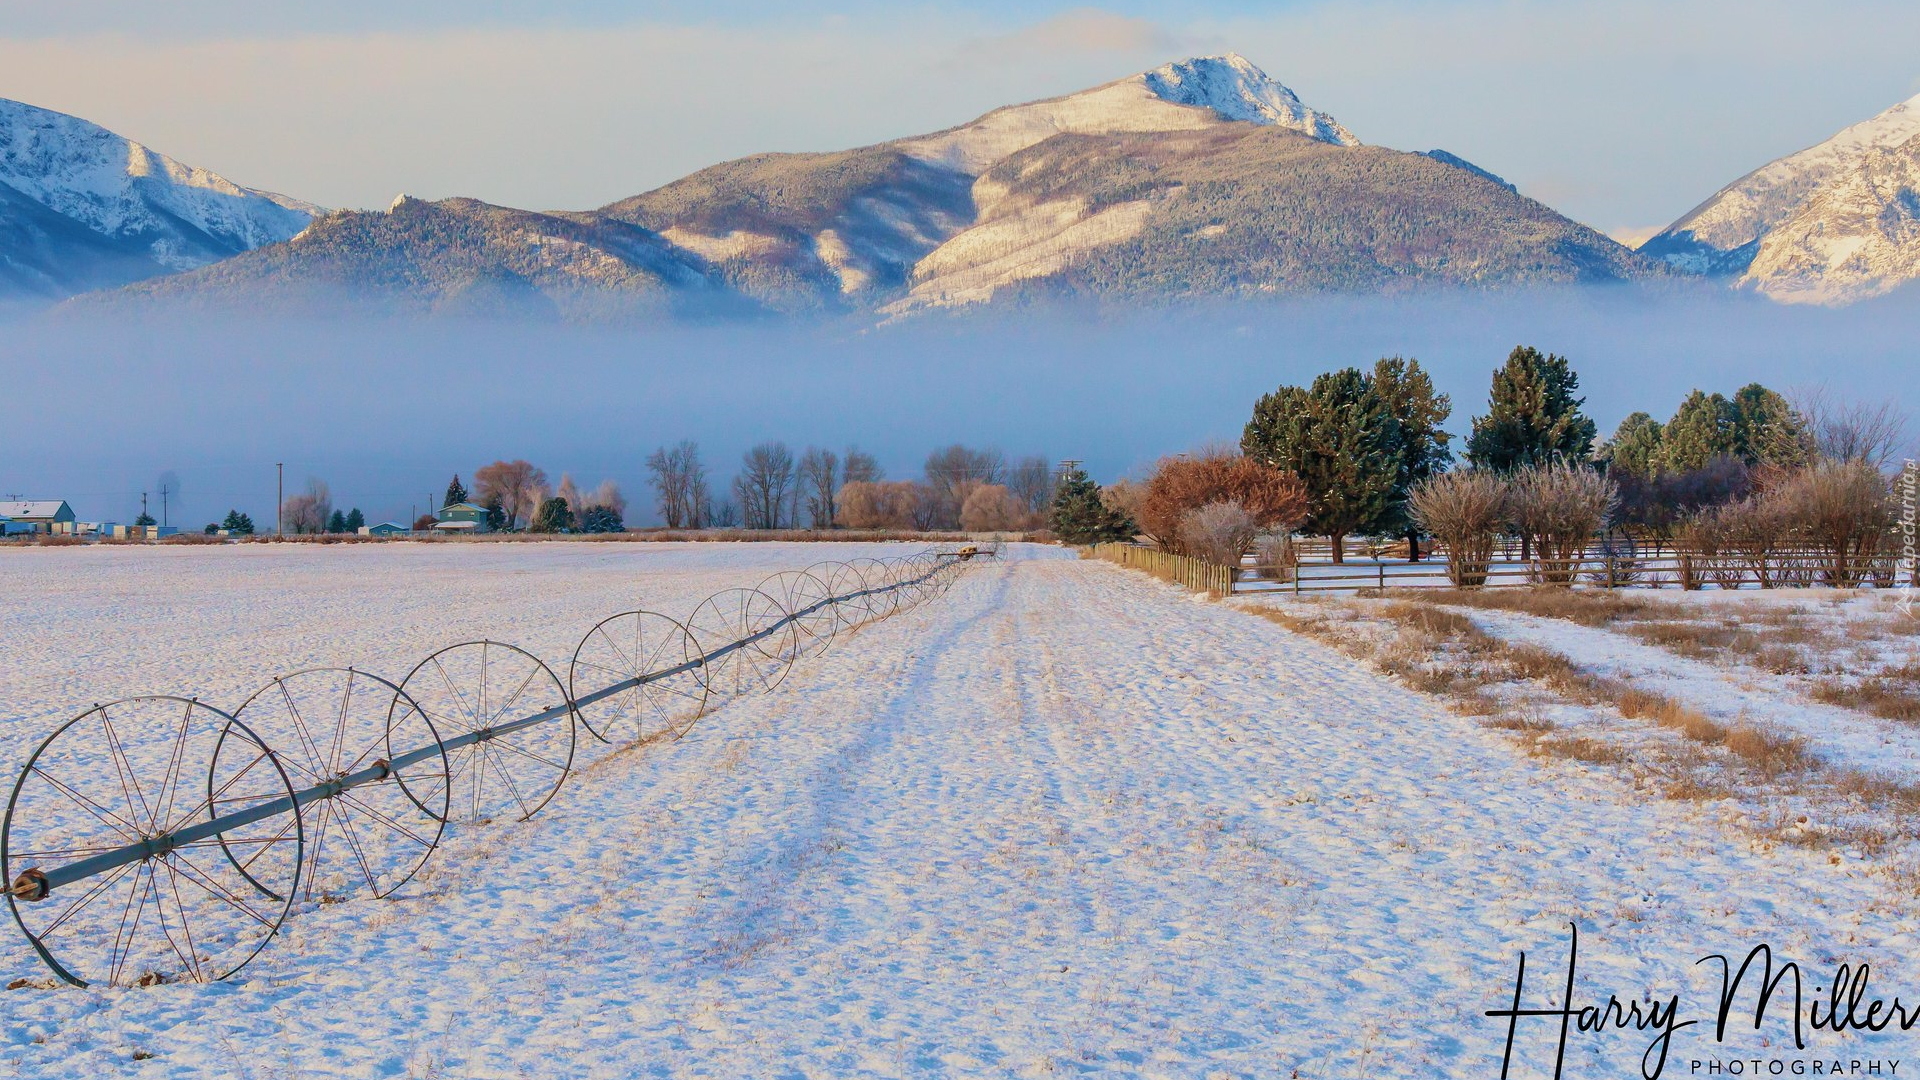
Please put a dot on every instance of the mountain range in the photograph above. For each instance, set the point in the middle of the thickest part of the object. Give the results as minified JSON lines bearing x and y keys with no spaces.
{"x":1200,"y":178}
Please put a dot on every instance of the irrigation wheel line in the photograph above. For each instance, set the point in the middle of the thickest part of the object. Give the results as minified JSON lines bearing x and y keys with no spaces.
{"x":202,"y":890}
{"x":139,"y":826}
{"x":330,"y":723}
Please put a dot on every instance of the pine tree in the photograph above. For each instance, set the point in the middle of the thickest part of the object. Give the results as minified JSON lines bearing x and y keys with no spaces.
{"x":1532,"y":416}
{"x":1080,"y":517}
{"x":355,"y":520}
{"x":144,"y":519}
{"x":336,"y":522}
{"x":1703,"y":428}
{"x":456,"y":491}
{"x":1634,"y":449}
{"x":238,"y":524}
{"x":1419,"y":445}
{"x":552,"y":517}
{"x":496,"y":514}
{"x":1340,"y":438}
{"x":601,"y":519}
{"x":1767,"y":430}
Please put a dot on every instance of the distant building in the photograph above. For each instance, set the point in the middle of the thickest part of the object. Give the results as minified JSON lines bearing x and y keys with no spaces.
{"x":44,"y":515}
{"x":461,"y":517}
{"x":385,"y":528}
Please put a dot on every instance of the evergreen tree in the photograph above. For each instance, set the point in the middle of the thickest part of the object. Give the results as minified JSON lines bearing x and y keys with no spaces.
{"x":144,"y":519}
{"x":1701,"y":429}
{"x":456,"y":491}
{"x":1767,"y":430}
{"x":601,"y":519}
{"x":211,"y":528}
{"x":496,"y":514}
{"x":552,"y":517}
{"x":336,"y":522}
{"x":1634,"y":449}
{"x":1419,"y":445}
{"x":1532,"y":416}
{"x":238,"y":524}
{"x":355,"y":520}
{"x":1080,"y":517}
{"x":1340,"y":438}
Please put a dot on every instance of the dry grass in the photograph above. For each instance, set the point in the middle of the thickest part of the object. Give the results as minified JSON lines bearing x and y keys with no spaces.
{"x":1891,"y":695}
{"x":1585,"y":608}
{"x":1773,"y":774}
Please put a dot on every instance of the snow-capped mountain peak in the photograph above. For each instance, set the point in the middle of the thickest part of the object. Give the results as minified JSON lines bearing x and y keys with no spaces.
{"x":1185,"y":95}
{"x":1236,"y":89}
{"x":138,"y":205}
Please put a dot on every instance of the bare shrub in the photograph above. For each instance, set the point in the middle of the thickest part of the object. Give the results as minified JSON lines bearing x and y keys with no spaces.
{"x":1276,"y":557}
{"x":1218,"y":532}
{"x":882,"y":504}
{"x":307,"y":513}
{"x":54,"y":540}
{"x":1273,"y":498}
{"x":1708,"y":551}
{"x":1756,"y":530}
{"x":1844,"y":511}
{"x":1560,"y":507}
{"x":991,"y":508}
{"x":1465,"y":511}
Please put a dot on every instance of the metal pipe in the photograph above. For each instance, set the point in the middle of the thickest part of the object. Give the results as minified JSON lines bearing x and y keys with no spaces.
{"x":45,"y":881}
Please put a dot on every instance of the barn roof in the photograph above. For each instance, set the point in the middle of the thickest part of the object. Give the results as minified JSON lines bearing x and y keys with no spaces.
{"x":31,"y":508}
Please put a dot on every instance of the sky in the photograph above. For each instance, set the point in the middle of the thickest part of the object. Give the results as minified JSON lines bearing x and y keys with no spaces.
{"x":1623,"y":114}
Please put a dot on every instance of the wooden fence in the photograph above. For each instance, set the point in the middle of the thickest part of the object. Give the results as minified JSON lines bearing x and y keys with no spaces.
{"x":1197,"y":575}
{"x":1597,"y":568}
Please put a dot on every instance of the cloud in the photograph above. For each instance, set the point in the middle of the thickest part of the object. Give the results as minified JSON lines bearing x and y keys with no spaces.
{"x":1085,"y":30}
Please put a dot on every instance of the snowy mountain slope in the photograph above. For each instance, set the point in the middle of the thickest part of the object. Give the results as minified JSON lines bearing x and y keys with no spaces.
{"x":1855,"y":237}
{"x":1722,"y":235}
{"x":1241,"y":210}
{"x":140,"y":212}
{"x":458,"y":257}
{"x":1286,"y":198}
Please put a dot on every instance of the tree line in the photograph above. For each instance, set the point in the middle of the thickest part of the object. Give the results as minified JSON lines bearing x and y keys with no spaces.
{"x":1363,"y":452}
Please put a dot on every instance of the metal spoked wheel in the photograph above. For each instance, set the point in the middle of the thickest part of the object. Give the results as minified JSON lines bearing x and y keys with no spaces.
{"x":747,"y":640}
{"x":331,"y":724}
{"x":845,"y":583}
{"x":125,"y":787}
{"x":483,"y":697}
{"x":811,"y":603}
{"x":882,"y":602}
{"x":626,"y":648}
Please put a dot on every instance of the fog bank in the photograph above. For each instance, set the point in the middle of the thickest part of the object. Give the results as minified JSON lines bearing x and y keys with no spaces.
{"x":386,"y":412}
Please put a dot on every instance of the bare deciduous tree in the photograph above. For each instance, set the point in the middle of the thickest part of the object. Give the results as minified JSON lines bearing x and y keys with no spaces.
{"x":1842,"y":430}
{"x":679,"y":484}
{"x":764,"y":485}
{"x":519,"y":486}
{"x":1031,"y":481}
{"x":308,"y":512}
{"x":820,"y":479}
{"x":952,"y":473}
{"x":861,"y":468}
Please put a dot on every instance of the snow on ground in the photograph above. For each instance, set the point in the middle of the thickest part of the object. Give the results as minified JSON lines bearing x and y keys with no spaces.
{"x":1062,"y":820}
{"x":1842,"y":737}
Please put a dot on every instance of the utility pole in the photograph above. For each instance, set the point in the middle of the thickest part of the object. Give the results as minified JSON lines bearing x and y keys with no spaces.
{"x":143,"y":504}
{"x":279,"y":496}
{"x":163,"y":506}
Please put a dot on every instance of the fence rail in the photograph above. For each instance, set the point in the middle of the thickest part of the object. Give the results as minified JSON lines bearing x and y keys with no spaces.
{"x":1595,"y":568}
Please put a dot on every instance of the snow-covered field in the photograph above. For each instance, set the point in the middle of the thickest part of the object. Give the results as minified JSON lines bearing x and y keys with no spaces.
{"x":1063,"y":820}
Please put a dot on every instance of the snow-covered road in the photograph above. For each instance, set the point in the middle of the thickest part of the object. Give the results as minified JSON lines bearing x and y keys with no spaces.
{"x":1064,"y":820}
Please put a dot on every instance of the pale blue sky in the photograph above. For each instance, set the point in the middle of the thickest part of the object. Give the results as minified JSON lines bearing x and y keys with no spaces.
{"x":1622,"y":114}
